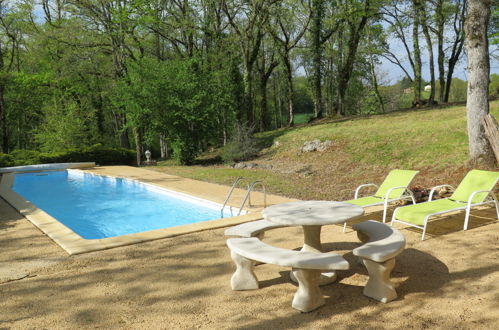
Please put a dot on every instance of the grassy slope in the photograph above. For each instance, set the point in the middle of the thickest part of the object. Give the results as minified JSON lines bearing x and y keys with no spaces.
{"x":366,"y":148}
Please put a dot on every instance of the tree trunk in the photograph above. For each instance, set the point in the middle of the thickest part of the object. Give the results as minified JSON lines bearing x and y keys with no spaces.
{"x":121,"y":126}
{"x":375,"y":83}
{"x":372,"y":71}
{"x":225,"y":132}
{"x":426,"y":32}
{"x":339,"y":64}
{"x":248,"y":94}
{"x":3,"y":121}
{"x":346,"y":69}
{"x":457,"y":48}
{"x":265,"y":68}
{"x":477,"y":105}
{"x":450,"y":73}
{"x":163,"y":146}
{"x":138,"y":144}
{"x":340,"y":100}
{"x":417,"y":55}
{"x":289,"y":77}
{"x":316,"y":29}
{"x":277,"y":109}
{"x":278,"y":101}
{"x":330,"y":86}
{"x":3,"y":109}
{"x":263,"y":103}
{"x":440,"y":45}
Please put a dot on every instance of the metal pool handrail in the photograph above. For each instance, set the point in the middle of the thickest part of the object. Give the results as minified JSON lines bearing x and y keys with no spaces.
{"x":247,"y":197}
{"x":234,"y":184}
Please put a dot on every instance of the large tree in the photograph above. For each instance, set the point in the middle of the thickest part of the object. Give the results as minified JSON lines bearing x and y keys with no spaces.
{"x":316,"y":30}
{"x":287,"y":37}
{"x":422,"y":12}
{"x":357,"y":15}
{"x":248,"y":20}
{"x":441,"y":23}
{"x":477,"y":104}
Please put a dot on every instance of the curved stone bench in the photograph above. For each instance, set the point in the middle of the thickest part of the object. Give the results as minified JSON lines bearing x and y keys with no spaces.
{"x":306,"y":267}
{"x":252,"y":229}
{"x":382,"y":244}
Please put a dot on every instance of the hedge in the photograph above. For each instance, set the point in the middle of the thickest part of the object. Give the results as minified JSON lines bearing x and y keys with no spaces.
{"x":6,"y":160}
{"x":97,"y":153}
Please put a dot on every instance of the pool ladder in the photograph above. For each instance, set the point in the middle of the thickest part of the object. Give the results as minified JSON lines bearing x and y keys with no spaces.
{"x":247,"y":197}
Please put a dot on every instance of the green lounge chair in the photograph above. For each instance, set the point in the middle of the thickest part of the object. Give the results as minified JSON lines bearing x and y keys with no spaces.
{"x":475,"y":189}
{"x":394,"y":188}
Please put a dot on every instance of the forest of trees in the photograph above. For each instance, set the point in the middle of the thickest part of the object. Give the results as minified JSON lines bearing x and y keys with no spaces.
{"x":184,"y":75}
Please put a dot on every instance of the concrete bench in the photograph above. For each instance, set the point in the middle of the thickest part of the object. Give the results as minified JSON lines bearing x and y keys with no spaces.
{"x":252,"y":229}
{"x":306,"y":267}
{"x":382,"y":244}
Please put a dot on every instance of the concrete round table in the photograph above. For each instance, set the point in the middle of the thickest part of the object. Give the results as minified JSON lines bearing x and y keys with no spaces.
{"x":312,"y":215}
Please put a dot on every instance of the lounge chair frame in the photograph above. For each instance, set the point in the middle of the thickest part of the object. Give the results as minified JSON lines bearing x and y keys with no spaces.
{"x":466,"y":206}
{"x":406,"y":195}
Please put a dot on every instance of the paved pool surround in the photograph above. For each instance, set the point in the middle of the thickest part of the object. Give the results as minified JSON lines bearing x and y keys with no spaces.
{"x":72,"y":243}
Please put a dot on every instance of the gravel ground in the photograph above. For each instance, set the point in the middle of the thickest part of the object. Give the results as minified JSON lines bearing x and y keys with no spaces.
{"x":450,"y":280}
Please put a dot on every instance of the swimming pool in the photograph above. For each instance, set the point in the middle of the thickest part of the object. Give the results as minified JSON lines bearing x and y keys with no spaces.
{"x":97,"y":207}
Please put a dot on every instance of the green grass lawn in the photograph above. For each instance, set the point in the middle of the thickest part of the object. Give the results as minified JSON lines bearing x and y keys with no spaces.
{"x":406,"y":139}
{"x":433,"y":141}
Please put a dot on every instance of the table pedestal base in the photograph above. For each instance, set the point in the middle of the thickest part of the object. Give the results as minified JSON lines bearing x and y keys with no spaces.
{"x":325,"y":279}
{"x":312,"y":243}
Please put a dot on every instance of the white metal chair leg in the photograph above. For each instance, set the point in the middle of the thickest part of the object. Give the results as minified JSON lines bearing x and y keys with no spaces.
{"x":496,"y":202}
{"x":385,"y":210}
{"x":412,"y":196}
{"x":467,"y":217}
{"x":424,"y":229}
{"x":393,"y":218}
{"x":345,"y":224}
{"x":470,"y":203}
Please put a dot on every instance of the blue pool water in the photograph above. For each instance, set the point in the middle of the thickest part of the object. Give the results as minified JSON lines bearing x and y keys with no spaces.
{"x":96,"y":206}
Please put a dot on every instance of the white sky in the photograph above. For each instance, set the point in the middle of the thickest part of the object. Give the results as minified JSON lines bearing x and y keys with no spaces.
{"x":391,"y":73}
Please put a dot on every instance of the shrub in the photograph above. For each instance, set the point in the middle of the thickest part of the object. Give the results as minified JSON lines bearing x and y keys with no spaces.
{"x":25,"y":157}
{"x":109,"y":156}
{"x":184,"y":151}
{"x":241,"y":147}
{"x":97,"y":153}
{"x":6,"y":160}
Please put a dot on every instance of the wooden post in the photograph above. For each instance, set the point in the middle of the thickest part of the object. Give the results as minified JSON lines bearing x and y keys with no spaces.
{"x":492,"y":133}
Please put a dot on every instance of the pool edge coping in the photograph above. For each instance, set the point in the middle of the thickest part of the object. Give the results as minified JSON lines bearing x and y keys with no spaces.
{"x":73,"y":243}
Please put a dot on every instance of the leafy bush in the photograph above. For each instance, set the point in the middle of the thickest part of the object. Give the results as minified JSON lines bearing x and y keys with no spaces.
{"x":110,"y":156}
{"x":241,"y":147}
{"x":25,"y":157}
{"x":6,"y":160}
{"x":184,"y":151}
{"x":97,"y":153}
